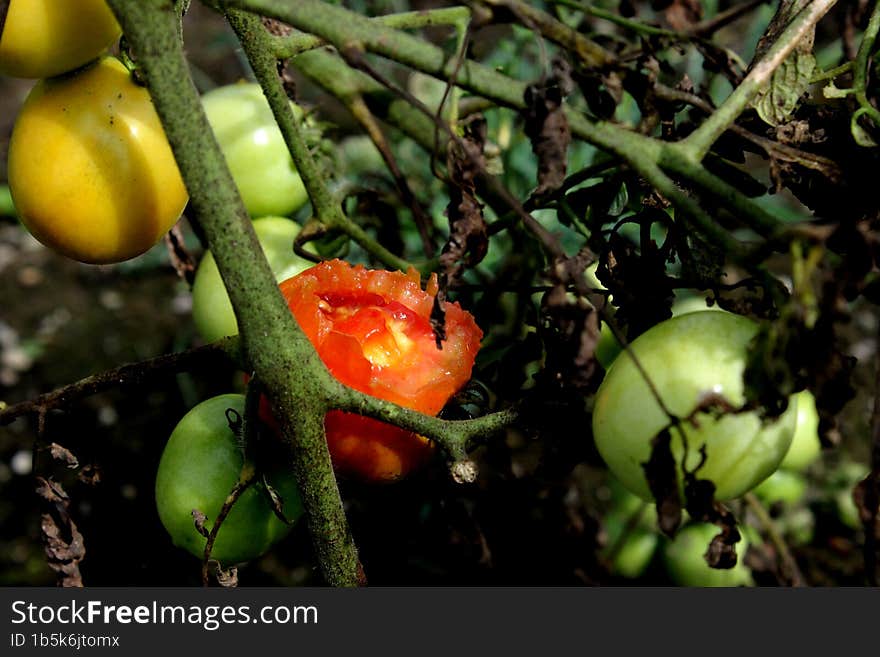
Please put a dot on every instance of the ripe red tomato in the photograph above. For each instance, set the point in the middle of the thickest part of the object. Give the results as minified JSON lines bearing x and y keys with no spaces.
{"x":372,"y":329}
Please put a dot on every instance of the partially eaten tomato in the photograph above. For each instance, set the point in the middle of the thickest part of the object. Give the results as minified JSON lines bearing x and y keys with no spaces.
{"x":372,"y":329}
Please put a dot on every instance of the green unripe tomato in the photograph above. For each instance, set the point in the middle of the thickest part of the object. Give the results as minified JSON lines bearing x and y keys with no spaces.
{"x":805,"y":446}
{"x":686,"y":358}
{"x":608,"y":348}
{"x":255,"y":151}
{"x":633,"y":557}
{"x":212,"y":309}
{"x":843,"y":480}
{"x":798,"y":525}
{"x":200,"y":465}
{"x":784,"y":486}
{"x":686,"y":565}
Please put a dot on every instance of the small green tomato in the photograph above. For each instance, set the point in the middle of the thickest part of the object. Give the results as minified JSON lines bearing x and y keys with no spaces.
{"x":255,"y":150}
{"x":212,"y":310}
{"x":199,"y":466}
{"x":686,"y":565}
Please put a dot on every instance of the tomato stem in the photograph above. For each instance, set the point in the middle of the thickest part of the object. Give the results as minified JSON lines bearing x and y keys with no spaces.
{"x":272,"y":342}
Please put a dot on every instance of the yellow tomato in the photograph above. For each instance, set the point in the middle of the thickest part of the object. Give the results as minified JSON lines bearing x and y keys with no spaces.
{"x":90,"y":170}
{"x":43,"y":38}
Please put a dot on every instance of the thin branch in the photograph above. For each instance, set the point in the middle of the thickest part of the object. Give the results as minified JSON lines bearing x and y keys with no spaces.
{"x":368,"y":122}
{"x":590,"y":53}
{"x":861,"y":66}
{"x":256,"y":42}
{"x":298,"y":42}
{"x":788,"y":565}
{"x":126,"y":375}
{"x":245,"y":480}
{"x":721,"y":19}
{"x":698,"y":143}
{"x":773,"y":149}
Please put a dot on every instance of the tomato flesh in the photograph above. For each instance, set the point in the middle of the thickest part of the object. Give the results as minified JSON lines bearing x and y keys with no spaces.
{"x":372,"y":330}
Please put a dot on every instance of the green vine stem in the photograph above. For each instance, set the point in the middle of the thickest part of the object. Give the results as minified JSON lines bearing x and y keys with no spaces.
{"x":257,"y":44}
{"x":788,"y":564}
{"x":277,"y":350}
{"x":698,"y":143}
{"x":860,"y":72}
{"x":345,"y":29}
{"x":591,"y":54}
{"x":296,"y":43}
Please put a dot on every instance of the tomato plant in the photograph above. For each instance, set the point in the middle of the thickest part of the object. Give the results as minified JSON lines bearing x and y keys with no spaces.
{"x":201,"y":463}
{"x":255,"y":151}
{"x":686,"y":358}
{"x":212,"y":310}
{"x":686,"y":566}
{"x":90,"y":170}
{"x":44,"y":38}
{"x":372,"y":329}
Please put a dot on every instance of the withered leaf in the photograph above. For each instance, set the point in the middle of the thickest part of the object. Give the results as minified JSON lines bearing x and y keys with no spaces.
{"x":660,"y":471}
{"x":60,"y":453}
{"x":722,"y":549}
{"x":63,"y":543}
{"x":199,"y":520}
{"x":547,"y":127}
{"x":777,"y":100}
{"x":571,"y":332}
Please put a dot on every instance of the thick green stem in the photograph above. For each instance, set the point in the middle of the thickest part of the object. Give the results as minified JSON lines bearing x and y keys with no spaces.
{"x":698,"y":143}
{"x":277,"y":350}
{"x":762,"y":222}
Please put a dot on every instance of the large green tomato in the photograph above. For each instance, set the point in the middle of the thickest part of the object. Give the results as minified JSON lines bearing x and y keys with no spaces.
{"x":686,"y":566}
{"x":686,"y":358}
{"x":200,"y":465}
{"x":212,"y":310}
{"x":44,"y":38}
{"x":608,"y":348}
{"x":255,"y":151}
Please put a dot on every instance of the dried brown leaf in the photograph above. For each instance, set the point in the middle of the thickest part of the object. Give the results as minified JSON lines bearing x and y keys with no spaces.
{"x":547,"y":126}
{"x":660,"y":471}
{"x":62,"y":541}
{"x":60,"y":453}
